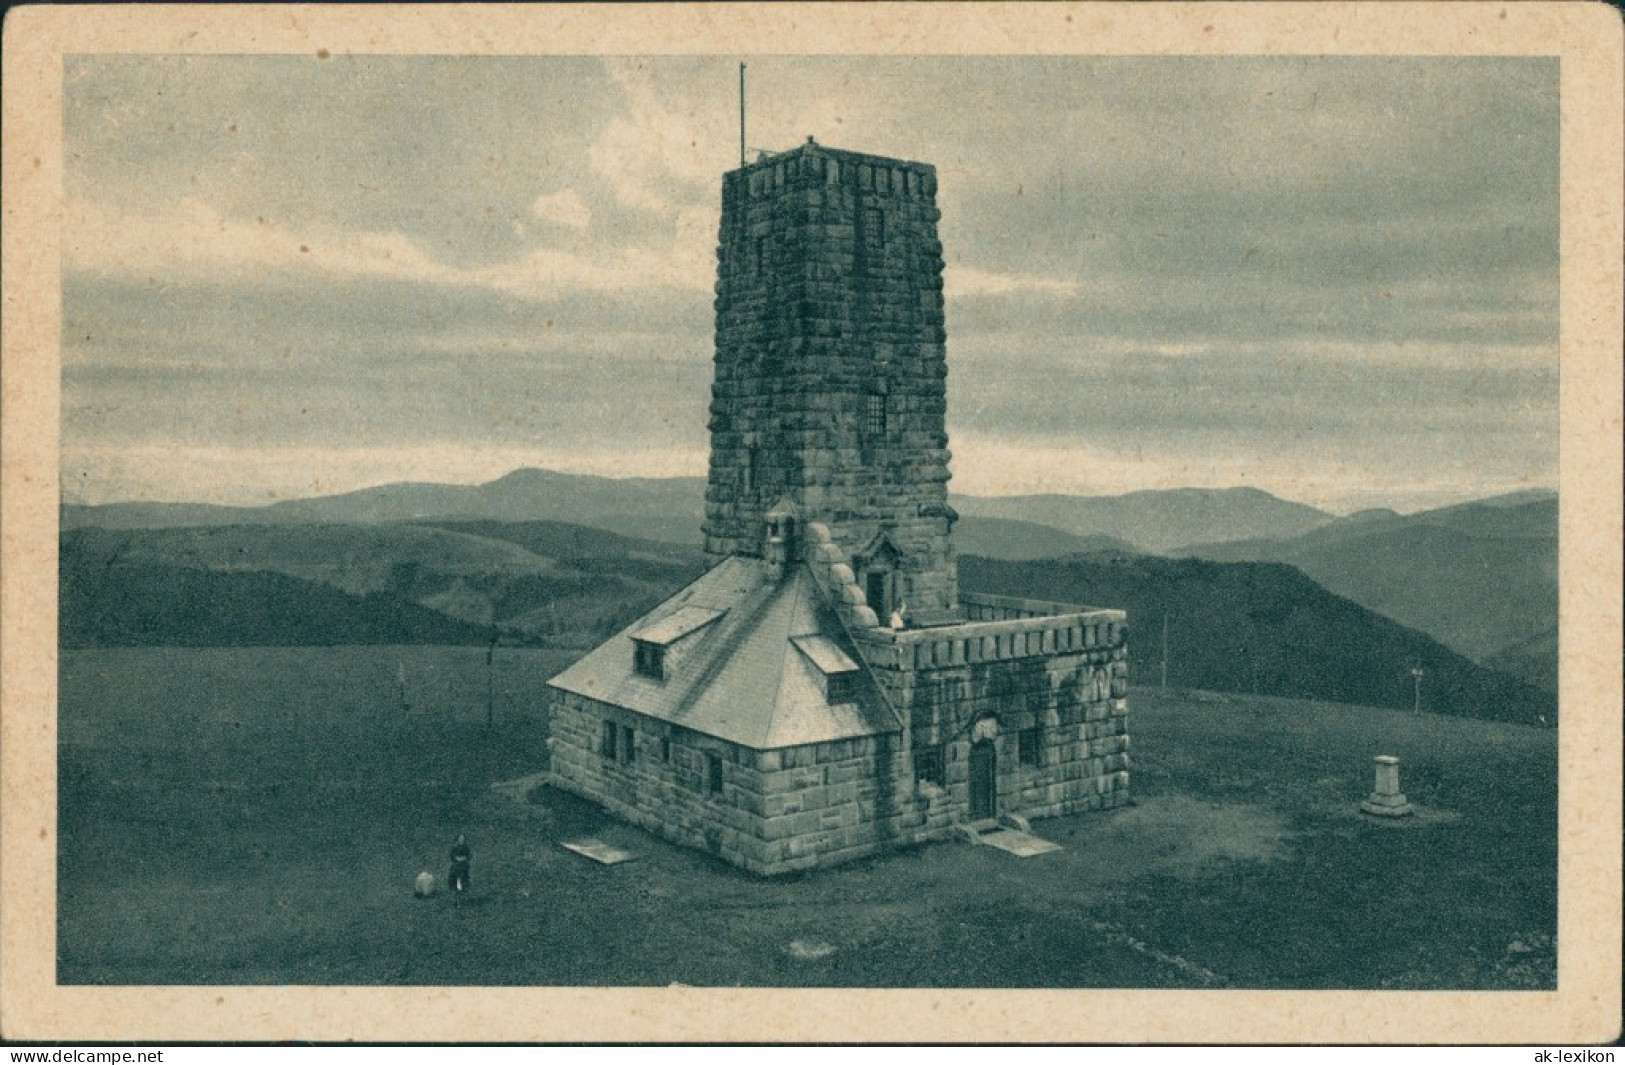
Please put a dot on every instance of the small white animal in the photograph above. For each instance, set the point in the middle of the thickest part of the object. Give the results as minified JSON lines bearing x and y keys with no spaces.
{"x":423,"y":886}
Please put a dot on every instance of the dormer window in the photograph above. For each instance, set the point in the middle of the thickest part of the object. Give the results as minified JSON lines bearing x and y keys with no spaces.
{"x":841,"y":688}
{"x":837,"y":669}
{"x":649,"y":660}
{"x":656,"y":646}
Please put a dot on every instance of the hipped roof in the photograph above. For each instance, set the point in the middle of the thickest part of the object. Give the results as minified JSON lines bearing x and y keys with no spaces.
{"x":743,"y":680}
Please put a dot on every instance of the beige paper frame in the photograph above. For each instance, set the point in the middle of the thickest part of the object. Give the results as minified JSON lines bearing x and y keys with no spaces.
{"x":1585,"y":1008}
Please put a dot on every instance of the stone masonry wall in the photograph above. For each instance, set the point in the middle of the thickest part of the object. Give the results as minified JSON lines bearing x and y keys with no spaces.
{"x":1082,"y":757}
{"x":1063,"y":675}
{"x":778,"y":811}
{"x":808,"y":807}
{"x":830,"y":380}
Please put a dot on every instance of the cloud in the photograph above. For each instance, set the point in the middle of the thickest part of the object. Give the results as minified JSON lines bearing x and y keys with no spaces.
{"x":1152,"y":262}
{"x":257,"y":476}
{"x":562,"y":208}
{"x":959,"y":281}
{"x":996,"y":465}
{"x":195,"y":243}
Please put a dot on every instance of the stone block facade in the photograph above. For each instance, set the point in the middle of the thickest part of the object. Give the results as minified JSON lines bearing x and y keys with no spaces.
{"x":831,"y":368}
{"x":769,"y":812}
{"x":1044,"y":688}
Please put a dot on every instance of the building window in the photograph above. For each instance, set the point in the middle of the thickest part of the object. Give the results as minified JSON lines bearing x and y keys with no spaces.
{"x":873,"y":436}
{"x":1101,"y":685}
{"x":629,"y":748}
{"x":649,"y":660}
{"x":761,"y":254}
{"x":713,"y":773}
{"x":665,"y":751}
{"x":608,"y":747}
{"x":841,"y":687}
{"x":1030,"y":741}
{"x":752,"y":471}
{"x":874,"y":229}
{"x":928,"y":766}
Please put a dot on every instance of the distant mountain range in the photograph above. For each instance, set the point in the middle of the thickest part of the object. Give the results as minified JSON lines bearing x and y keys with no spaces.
{"x":1480,"y":577}
{"x":672,"y":509}
{"x":1157,"y":521}
{"x":523,"y":495}
{"x":1232,"y":626}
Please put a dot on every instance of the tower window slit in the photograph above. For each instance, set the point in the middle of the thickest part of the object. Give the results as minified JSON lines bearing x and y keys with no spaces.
{"x":874,"y":420}
{"x":874,"y":229}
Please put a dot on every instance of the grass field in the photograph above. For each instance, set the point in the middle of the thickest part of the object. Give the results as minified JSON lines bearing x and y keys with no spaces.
{"x":256,"y":816}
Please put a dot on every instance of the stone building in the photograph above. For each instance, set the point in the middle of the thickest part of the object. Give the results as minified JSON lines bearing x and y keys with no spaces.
{"x":825,"y":691}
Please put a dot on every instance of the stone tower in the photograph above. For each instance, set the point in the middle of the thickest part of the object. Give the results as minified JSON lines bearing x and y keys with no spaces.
{"x":831,"y":371}
{"x":824,"y":691}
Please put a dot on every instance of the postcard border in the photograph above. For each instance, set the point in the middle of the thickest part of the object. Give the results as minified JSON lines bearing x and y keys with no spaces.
{"x":1586,"y":36}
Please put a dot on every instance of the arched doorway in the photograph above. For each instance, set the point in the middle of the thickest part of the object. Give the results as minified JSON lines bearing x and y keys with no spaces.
{"x":984,"y":780}
{"x":877,"y":593}
{"x":879,"y":563}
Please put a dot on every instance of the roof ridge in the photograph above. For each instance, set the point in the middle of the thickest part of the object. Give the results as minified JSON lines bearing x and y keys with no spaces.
{"x":740,"y":625}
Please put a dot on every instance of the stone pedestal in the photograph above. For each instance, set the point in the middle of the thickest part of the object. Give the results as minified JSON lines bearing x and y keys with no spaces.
{"x":1386,"y":800}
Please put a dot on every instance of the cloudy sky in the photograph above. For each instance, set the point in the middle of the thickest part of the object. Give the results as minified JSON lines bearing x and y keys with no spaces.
{"x":1333,"y":279}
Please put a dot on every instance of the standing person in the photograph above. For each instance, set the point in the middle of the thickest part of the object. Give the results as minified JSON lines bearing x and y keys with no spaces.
{"x":462,"y":859}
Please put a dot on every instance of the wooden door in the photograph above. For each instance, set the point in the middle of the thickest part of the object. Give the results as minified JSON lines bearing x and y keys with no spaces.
{"x":984,"y":781}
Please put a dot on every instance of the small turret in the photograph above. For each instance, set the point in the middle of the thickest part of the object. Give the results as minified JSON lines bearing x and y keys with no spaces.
{"x":779,"y":544}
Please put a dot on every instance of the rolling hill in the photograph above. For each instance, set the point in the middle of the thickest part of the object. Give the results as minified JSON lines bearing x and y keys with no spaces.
{"x":535,"y":582}
{"x":556,"y":557}
{"x":1480,"y":577}
{"x":135,"y":604}
{"x":1266,"y":628}
{"x":1232,"y":626}
{"x":1022,"y":541}
{"x":1535,"y":660}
